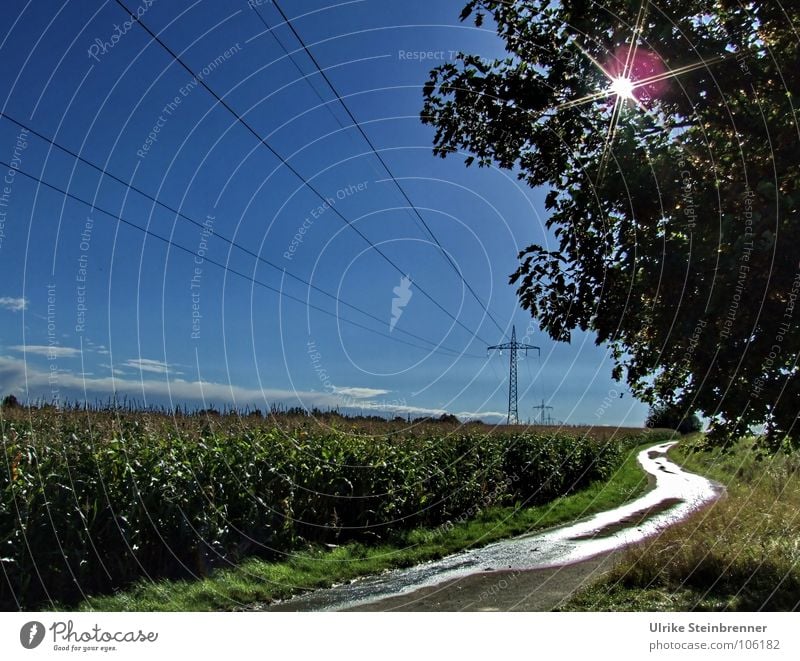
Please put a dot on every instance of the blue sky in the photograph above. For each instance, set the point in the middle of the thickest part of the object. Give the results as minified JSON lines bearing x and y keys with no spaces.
{"x":90,"y":305}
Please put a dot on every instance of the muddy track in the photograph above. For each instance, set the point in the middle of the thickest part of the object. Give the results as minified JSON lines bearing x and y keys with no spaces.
{"x":532,"y":572}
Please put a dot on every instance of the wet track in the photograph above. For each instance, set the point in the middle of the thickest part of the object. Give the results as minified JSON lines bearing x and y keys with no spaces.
{"x":675,"y":495}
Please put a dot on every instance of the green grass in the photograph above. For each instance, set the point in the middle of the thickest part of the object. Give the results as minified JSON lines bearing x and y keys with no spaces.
{"x":740,"y":554}
{"x":256,"y":582}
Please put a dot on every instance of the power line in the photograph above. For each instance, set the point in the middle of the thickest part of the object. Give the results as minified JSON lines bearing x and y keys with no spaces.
{"x":381,"y":159}
{"x":229,"y":269}
{"x":199,"y":225}
{"x":303,"y":75}
{"x":290,"y":167}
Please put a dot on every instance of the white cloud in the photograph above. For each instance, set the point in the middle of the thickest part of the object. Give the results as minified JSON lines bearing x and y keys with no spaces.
{"x":404,"y":409}
{"x":54,"y":351}
{"x":15,"y":304}
{"x":475,"y":415}
{"x":14,"y":372}
{"x":149,"y":365}
{"x":360,"y":393}
{"x":113,"y":370}
{"x":97,"y":348}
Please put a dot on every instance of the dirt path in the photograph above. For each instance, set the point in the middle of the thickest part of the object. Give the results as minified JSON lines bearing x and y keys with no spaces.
{"x":529,"y":590}
{"x":532,"y":572}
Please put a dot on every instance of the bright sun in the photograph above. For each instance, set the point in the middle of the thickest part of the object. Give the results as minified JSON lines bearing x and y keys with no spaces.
{"x":622,"y":87}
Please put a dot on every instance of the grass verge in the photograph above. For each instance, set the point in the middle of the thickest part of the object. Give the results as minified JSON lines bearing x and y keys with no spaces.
{"x":740,"y":554}
{"x":255,"y":582}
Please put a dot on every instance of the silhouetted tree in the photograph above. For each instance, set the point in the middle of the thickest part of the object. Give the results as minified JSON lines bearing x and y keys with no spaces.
{"x":667,"y":139}
{"x":10,"y":402}
{"x":664,"y":416}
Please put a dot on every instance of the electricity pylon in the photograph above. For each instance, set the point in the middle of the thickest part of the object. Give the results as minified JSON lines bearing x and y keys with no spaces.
{"x":513,"y":347}
{"x":544,"y":417}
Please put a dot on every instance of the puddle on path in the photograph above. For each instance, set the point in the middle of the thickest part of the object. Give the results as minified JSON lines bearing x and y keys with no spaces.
{"x":675,"y":495}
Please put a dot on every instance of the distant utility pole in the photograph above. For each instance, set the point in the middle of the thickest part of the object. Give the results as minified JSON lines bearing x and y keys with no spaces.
{"x":513,"y":347}
{"x":543,"y":417}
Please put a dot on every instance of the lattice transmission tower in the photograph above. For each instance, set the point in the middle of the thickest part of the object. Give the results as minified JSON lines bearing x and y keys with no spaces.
{"x":544,"y":417}
{"x":513,"y":347}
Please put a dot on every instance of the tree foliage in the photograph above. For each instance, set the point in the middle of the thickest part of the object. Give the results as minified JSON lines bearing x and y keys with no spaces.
{"x":672,"y":236}
{"x":668,"y":417}
{"x":10,"y":402}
